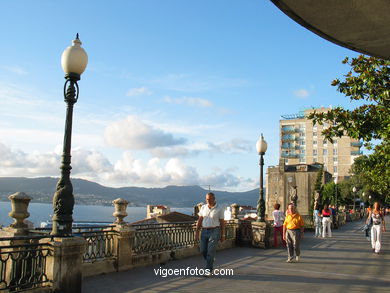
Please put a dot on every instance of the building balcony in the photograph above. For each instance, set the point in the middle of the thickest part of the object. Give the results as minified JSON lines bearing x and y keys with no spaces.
{"x":357,"y":153}
{"x":287,"y":129}
{"x":288,"y":137}
{"x":284,"y":155}
{"x":356,"y":143}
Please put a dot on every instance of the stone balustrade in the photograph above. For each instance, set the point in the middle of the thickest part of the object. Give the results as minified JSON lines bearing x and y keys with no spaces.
{"x":35,"y":261}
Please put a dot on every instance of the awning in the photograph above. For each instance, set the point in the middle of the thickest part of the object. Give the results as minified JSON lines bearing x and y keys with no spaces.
{"x":360,"y":25}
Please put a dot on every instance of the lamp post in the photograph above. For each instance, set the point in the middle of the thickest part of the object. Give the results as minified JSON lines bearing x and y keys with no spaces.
{"x":73,"y":61}
{"x":261,"y":147}
{"x":337,"y":204}
{"x":354,"y":198}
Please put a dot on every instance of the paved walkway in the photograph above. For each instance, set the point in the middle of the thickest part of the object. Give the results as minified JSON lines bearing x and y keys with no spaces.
{"x":343,"y":263}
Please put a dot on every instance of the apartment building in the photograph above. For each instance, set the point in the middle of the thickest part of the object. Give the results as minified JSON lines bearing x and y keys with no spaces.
{"x":301,"y":142}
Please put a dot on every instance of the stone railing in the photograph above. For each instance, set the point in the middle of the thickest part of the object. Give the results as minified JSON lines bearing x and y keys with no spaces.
{"x":32,"y":260}
{"x":23,"y":263}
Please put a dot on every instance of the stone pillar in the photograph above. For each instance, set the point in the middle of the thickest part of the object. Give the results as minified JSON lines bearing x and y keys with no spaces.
{"x":123,"y":244}
{"x":261,"y":234}
{"x":64,"y":265}
{"x":120,"y":213}
{"x":235,"y":209}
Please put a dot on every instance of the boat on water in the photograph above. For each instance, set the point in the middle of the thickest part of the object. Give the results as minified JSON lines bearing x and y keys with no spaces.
{"x":77,"y":224}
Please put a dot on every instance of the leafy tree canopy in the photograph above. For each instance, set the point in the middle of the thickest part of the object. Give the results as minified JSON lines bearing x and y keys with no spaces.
{"x":368,"y":81}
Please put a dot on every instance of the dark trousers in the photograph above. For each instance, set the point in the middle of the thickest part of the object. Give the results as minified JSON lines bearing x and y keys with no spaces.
{"x":278,"y":230}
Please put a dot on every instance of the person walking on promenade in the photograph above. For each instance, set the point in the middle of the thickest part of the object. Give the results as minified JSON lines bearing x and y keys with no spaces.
{"x":326,"y":221}
{"x":317,"y":222}
{"x":293,"y":228}
{"x":378,"y":225}
{"x":278,"y":225}
{"x":211,"y":221}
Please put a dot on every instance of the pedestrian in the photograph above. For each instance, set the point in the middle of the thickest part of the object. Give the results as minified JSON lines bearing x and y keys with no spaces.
{"x":378,"y":225}
{"x":211,"y":221}
{"x":326,"y":221}
{"x":293,"y":228}
{"x":278,"y":225}
{"x":317,"y":219}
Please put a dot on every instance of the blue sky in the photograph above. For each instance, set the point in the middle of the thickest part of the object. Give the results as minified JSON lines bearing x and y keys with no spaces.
{"x":175,"y":91}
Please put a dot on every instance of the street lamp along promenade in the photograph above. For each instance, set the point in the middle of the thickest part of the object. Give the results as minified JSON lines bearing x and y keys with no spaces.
{"x":336,"y":199}
{"x":261,"y":147}
{"x":73,"y":61}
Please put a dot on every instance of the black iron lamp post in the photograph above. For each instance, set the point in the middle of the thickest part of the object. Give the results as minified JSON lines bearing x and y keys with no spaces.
{"x":73,"y":61}
{"x":336,"y":204}
{"x":261,"y":147}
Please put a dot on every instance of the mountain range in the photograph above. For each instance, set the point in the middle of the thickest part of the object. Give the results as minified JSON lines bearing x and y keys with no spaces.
{"x":91,"y":193}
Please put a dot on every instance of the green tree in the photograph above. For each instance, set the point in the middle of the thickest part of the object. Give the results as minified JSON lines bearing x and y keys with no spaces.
{"x":368,"y":81}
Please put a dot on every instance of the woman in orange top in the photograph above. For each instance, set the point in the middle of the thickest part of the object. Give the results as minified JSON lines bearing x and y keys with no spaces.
{"x":293,"y":228}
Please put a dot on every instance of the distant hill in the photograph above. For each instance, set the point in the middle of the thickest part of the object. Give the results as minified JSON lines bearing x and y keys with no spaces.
{"x":87,"y":192}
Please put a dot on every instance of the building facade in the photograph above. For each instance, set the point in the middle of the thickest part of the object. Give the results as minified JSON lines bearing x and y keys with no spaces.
{"x":301,"y":142}
{"x":292,"y":183}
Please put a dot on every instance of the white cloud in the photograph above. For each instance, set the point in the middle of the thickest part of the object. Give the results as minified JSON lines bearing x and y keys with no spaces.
{"x":16,"y":69}
{"x":302,"y":93}
{"x":233,"y":146}
{"x":84,"y":162}
{"x":195,"y":82}
{"x":199,"y":102}
{"x":140,"y":91}
{"x":127,"y":171}
{"x":153,"y":172}
{"x":133,"y":134}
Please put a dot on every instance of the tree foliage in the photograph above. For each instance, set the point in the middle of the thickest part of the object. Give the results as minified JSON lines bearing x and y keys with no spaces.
{"x":367,"y":81}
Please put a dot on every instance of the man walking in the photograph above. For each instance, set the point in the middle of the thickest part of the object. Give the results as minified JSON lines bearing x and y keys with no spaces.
{"x":211,"y":221}
{"x":293,"y":232}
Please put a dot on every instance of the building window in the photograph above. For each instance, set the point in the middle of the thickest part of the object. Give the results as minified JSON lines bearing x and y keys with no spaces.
{"x":325,"y":142}
{"x":302,"y":152}
{"x":302,"y":160}
{"x":314,"y":152}
{"x":314,"y":143}
{"x":335,"y":159}
{"x":302,"y":142}
{"x":335,"y":141}
{"x":335,"y":169}
{"x":325,"y":152}
{"x":315,"y":133}
{"x":335,"y":152}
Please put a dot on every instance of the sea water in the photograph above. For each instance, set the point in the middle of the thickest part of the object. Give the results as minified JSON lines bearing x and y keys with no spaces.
{"x":42,"y":212}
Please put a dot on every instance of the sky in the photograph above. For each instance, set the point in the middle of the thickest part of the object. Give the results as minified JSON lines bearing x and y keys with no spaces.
{"x":176,"y":92}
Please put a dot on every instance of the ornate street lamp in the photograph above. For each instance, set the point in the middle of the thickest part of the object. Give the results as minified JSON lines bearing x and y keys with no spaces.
{"x":354,"y":197}
{"x":337,"y":205}
{"x":73,"y":61}
{"x":261,"y":147}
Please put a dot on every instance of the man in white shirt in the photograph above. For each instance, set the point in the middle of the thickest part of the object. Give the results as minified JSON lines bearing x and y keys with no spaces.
{"x":211,"y":221}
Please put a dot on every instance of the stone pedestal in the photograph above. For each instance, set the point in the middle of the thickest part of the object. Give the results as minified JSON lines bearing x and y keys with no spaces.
{"x":261,"y":234}
{"x":64,"y":264}
{"x":123,"y":246}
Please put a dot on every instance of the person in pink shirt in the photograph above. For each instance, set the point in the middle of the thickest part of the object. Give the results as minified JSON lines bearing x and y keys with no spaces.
{"x":278,"y":225}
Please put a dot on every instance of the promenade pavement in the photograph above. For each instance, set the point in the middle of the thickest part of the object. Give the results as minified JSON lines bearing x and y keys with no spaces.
{"x":343,"y":263}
